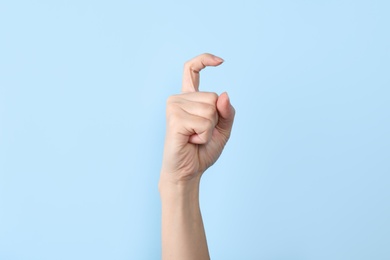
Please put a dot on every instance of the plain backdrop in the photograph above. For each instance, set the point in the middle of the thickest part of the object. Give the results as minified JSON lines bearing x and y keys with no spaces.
{"x":83,"y":86}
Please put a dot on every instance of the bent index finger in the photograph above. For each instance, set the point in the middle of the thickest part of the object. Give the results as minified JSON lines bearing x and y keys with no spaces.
{"x":192,"y":69}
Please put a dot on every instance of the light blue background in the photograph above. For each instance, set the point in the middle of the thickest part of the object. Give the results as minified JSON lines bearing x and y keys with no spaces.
{"x":83,"y":86}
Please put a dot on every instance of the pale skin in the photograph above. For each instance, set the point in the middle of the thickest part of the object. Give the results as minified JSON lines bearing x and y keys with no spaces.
{"x":198,"y":127}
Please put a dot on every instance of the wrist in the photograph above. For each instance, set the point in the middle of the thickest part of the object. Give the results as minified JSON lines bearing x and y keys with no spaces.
{"x":178,"y":188}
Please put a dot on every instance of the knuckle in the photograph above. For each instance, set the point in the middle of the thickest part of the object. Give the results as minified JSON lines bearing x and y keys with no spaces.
{"x":213,"y":97}
{"x":188,"y":65}
{"x":173,"y":119}
{"x":172,"y":107}
{"x":171,"y":99}
{"x":172,"y":110}
{"x":210,"y":111}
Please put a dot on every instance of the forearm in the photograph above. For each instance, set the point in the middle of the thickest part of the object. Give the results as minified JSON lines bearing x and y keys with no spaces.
{"x":183,"y":235}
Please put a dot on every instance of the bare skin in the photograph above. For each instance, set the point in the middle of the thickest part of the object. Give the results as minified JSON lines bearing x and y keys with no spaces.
{"x":198,"y":127}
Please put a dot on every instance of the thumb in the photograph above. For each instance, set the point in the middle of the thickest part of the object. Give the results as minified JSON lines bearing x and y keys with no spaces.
{"x":226,"y":114}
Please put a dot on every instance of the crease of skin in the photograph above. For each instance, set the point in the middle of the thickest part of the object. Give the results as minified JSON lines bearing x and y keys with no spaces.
{"x":208,"y":119}
{"x":193,"y":77}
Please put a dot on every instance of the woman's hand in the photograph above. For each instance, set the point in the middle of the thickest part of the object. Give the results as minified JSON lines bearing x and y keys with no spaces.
{"x":198,"y":126}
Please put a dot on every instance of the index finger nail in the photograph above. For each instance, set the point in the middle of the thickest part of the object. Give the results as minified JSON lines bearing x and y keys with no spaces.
{"x":218,"y":59}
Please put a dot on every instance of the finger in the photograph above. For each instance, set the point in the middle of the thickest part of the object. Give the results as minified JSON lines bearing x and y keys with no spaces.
{"x":203,"y":131}
{"x":200,"y":97}
{"x":204,"y":110}
{"x":226,"y":114}
{"x":192,"y":69}
{"x":195,"y":129}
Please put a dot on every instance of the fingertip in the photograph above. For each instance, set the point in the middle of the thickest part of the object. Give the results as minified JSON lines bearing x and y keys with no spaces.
{"x":198,"y":139}
{"x":218,"y":59}
{"x":228,"y":101}
{"x":227,"y":96}
{"x":194,"y":139}
{"x":224,"y":98}
{"x":224,"y":106}
{"x":209,"y":59}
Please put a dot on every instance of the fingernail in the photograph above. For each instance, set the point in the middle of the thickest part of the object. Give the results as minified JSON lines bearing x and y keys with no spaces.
{"x":218,"y":59}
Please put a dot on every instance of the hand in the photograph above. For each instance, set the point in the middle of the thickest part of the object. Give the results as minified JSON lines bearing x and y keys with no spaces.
{"x":198,"y":125}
